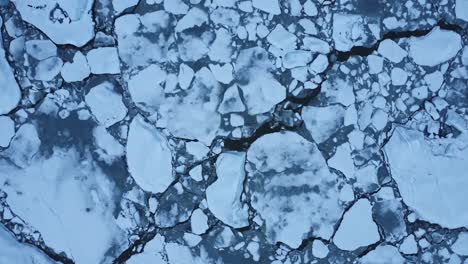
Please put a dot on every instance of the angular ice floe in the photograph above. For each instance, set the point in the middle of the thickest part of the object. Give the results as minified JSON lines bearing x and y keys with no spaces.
{"x":47,"y":69}
{"x":391,"y":51}
{"x":24,"y":146}
{"x":269,"y":6}
{"x":194,"y":17}
{"x":121,"y":5}
{"x":106,"y":104}
{"x":64,"y":22}
{"x":282,"y":38}
{"x":103,"y":60}
{"x":149,"y":157}
{"x":323,"y":122}
{"x":9,"y":90}
{"x":434,"y":168}
{"x":409,"y":245}
{"x":342,"y":160}
{"x":292,"y":188}
{"x":224,"y":195}
{"x":77,"y":70}
{"x":437,"y":47}
{"x":357,"y":229}
{"x":7,"y":131}
{"x":70,"y":203}
{"x":348,"y":31}
{"x":12,"y":251}
{"x":383,"y":254}
{"x":461,"y":9}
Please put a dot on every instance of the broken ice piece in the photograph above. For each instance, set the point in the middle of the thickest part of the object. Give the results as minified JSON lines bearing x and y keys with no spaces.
{"x":357,"y":228}
{"x":391,"y":51}
{"x":77,"y":70}
{"x":41,"y":49}
{"x":269,"y":6}
{"x":199,"y":222}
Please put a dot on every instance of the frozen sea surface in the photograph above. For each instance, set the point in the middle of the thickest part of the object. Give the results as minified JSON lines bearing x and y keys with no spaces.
{"x":233,"y":131}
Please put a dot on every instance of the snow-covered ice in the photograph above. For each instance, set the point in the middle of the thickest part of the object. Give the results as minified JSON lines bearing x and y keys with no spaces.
{"x":106,"y":104}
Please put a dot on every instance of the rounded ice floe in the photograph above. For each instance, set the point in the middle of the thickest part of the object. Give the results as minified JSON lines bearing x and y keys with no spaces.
{"x":7,"y":131}
{"x":106,"y":104}
{"x":357,"y":229}
{"x":145,"y":87}
{"x":319,"y":249}
{"x":269,"y":6}
{"x":291,"y":188}
{"x":224,"y":195}
{"x":149,"y":157}
{"x":64,"y":22}
{"x":9,"y":89}
{"x":461,"y":9}
{"x":431,"y":168}
{"x":198,"y":222}
{"x":437,"y":47}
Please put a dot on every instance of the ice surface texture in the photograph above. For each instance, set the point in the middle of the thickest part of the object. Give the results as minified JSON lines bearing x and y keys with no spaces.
{"x":233,"y":131}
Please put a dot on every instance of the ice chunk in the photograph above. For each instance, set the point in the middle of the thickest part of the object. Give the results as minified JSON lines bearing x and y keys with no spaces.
{"x":348,"y":31}
{"x":357,"y":228}
{"x":194,"y":17}
{"x":316,"y":45}
{"x":185,"y":76}
{"x":23,"y":147}
{"x":47,"y":69}
{"x":399,"y":76}
{"x":319,"y":249}
{"x":391,"y":51}
{"x":224,"y":195}
{"x":269,"y":6}
{"x":409,"y":245}
{"x":383,"y":254}
{"x":434,"y":80}
{"x":13,"y":251}
{"x":145,"y":88}
{"x":323,"y":122}
{"x":342,"y":160}
{"x":104,"y":60}
{"x":176,"y":7}
{"x":120,"y":5}
{"x":375,"y":64}
{"x":297,"y":58}
{"x":461,"y":9}
{"x":199,"y":222}
{"x":292,"y":189}
{"x":64,"y":22}
{"x":260,"y":89}
{"x":461,"y":244}
{"x":221,"y":48}
{"x":68,"y":205}
{"x":223,"y":74}
{"x":41,"y":49}
{"x":7,"y":131}
{"x":77,"y":70}
{"x":435,"y":168}
{"x":282,"y":39}
{"x":231,"y":101}
{"x":310,"y":8}
{"x":319,"y":65}
{"x":193,"y":115}
{"x":108,"y":148}
{"x":106,"y":104}
{"x":149,"y":157}
{"x":437,"y":47}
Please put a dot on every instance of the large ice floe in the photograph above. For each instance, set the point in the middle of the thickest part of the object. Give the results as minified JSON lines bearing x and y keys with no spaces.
{"x":233,"y":131}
